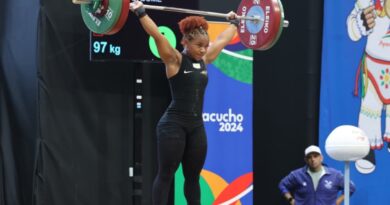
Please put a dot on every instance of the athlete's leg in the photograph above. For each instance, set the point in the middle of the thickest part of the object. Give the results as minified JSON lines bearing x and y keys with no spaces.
{"x":170,"y":149}
{"x":193,"y":161}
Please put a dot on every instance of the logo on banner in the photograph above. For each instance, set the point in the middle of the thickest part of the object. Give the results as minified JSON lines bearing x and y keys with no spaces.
{"x":228,"y":122}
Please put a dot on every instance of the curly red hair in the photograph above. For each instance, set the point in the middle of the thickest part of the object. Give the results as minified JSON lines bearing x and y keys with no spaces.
{"x":191,"y":23}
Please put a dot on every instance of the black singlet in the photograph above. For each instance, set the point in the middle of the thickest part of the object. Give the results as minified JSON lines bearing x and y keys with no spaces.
{"x":187,"y":90}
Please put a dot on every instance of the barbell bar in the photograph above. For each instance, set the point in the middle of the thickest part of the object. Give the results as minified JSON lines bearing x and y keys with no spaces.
{"x":261,"y":21}
{"x":198,"y":12}
{"x":206,"y":13}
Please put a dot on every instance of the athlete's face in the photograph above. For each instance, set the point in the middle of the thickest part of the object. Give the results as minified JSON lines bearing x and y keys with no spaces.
{"x":314,"y":161}
{"x":197,"y":47}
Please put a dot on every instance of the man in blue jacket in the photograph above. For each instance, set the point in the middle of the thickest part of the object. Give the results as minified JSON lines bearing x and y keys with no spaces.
{"x":314,"y":184}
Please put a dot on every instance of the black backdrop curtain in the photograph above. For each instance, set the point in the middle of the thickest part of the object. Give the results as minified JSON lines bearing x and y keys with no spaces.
{"x":286,"y":99}
{"x":18,"y":29}
{"x":2,"y":96}
{"x":85,"y":114}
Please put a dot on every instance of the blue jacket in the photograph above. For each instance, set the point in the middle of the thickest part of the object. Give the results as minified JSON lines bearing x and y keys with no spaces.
{"x":300,"y":185}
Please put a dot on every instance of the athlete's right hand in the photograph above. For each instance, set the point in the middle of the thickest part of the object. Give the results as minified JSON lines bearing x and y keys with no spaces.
{"x":138,"y":8}
{"x":135,"y":5}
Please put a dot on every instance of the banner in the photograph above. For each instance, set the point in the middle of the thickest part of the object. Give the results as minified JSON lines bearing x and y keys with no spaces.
{"x":355,"y":88}
{"x":227,"y":176}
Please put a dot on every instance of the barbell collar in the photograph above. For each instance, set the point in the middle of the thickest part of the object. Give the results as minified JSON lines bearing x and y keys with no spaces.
{"x":81,"y":1}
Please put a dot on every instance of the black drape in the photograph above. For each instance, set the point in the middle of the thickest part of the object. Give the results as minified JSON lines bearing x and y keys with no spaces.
{"x":85,"y":114}
{"x":286,"y":99}
{"x":156,"y":98}
{"x":18,"y":43}
{"x":2,"y":185}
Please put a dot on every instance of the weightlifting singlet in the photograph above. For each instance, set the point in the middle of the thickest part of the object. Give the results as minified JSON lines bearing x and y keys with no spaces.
{"x":187,"y":90}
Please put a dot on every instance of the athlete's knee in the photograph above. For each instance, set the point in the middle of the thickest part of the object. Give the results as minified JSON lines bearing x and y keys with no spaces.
{"x":167,"y":173}
{"x":192,"y":179}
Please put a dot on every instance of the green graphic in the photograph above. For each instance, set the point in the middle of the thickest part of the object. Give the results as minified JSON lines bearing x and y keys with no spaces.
{"x":168,"y":33}
{"x":236,"y":68}
{"x":207,"y":197}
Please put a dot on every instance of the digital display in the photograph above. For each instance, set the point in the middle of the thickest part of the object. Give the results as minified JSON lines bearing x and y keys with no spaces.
{"x":132,"y":43}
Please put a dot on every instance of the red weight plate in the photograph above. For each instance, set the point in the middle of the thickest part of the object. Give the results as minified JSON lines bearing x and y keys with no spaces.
{"x":277,"y":27}
{"x":122,"y":19}
{"x":260,"y":35}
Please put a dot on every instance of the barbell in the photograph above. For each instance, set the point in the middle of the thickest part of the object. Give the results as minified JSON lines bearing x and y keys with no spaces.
{"x":260,"y":21}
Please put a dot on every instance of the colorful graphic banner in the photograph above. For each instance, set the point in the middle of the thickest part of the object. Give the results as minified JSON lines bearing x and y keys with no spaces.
{"x":227,"y":176}
{"x":355,"y":88}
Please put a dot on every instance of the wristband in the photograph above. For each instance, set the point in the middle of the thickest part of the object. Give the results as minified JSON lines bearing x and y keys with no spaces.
{"x":140,"y":12}
{"x":235,"y":22}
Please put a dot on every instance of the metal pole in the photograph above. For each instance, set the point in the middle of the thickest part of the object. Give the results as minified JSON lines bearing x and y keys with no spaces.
{"x":346,"y":183}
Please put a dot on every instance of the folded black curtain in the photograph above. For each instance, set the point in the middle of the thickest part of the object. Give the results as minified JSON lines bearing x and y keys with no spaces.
{"x":66,"y":124}
{"x":18,"y":89}
{"x":84,"y":116}
{"x":286,"y":98}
